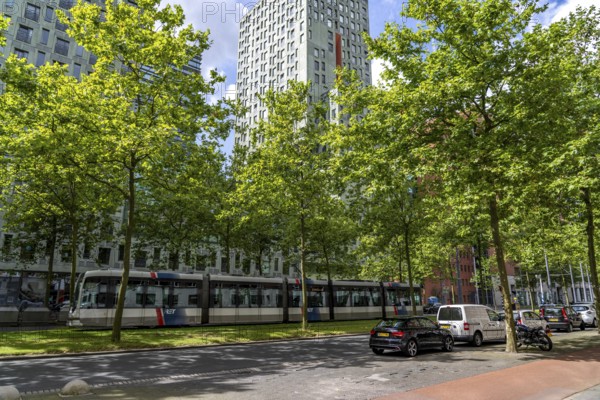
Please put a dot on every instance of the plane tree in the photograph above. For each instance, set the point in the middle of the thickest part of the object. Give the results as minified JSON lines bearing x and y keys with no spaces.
{"x":470,"y":112}
{"x":576,"y":54}
{"x":286,"y":175}
{"x":146,"y":109}
{"x":45,"y":199}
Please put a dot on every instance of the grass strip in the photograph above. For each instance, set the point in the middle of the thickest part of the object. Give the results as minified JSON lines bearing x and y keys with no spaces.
{"x":73,"y":340}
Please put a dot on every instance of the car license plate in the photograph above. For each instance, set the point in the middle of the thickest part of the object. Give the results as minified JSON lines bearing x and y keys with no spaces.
{"x":553,"y":319}
{"x":383,"y":334}
{"x":445,"y":326}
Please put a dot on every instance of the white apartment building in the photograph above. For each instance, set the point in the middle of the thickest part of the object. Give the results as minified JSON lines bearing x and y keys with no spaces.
{"x":302,"y":40}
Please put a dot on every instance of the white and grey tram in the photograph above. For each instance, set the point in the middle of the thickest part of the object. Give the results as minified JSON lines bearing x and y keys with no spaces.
{"x":165,"y":298}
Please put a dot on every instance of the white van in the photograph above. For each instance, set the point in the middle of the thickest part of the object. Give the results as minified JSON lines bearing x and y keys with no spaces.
{"x":472,"y":323}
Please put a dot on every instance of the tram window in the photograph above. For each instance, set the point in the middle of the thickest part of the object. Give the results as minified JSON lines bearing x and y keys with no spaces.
{"x":248,"y":296}
{"x":145,"y":299}
{"x":183,"y":296}
{"x":222,"y":295}
{"x":94,"y":294}
{"x":375,"y":295}
{"x":271,"y":297}
{"x":295,"y":296}
{"x":131,"y":295}
{"x":391,"y":297}
{"x":315,"y":299}
{"x":341,"y":297}
{"x":361,"y":298}
{"x":155,"y":295}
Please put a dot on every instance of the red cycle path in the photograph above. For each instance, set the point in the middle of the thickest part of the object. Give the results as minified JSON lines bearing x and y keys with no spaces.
{"x":547,"y":379}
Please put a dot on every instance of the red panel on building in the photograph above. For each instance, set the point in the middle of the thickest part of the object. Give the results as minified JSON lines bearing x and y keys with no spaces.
{"x":338,"y":50}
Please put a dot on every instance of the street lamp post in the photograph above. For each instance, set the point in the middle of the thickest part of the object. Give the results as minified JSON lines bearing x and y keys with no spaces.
{"x":582,"y":281}
{"x":475,"y":275}
{"x":548,"y":275}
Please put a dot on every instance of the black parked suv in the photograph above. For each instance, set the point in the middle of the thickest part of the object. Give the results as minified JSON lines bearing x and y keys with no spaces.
{"x":562,"y":317}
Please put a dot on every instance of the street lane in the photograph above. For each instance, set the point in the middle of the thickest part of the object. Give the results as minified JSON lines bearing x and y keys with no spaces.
{"x":339,"y":367}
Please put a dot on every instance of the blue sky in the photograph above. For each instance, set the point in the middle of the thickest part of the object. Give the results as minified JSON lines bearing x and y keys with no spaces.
{"x":222,"y":18}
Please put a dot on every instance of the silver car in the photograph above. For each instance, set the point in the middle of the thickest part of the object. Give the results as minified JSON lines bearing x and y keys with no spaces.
{"x":529,"y":318}
{"x":587,"y":312}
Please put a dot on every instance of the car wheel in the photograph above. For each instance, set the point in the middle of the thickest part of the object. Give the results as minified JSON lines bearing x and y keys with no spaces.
{"x":569,"y":328}
{"x":582,"y":326}
{"x":377,"y":351}
{"x":448,"y":344}
{"x":411,"y":349}
{"x":477,"y":339}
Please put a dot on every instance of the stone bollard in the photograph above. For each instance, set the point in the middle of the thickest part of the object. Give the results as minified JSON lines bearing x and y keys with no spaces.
{"x":75,"y":387}
{"x":9,"y":393}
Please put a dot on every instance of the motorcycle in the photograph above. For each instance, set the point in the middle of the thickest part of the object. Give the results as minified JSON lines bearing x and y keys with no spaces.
{"x":533,"y":337}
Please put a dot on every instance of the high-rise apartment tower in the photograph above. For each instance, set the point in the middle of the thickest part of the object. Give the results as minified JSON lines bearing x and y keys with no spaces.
{"x":302,"y":40}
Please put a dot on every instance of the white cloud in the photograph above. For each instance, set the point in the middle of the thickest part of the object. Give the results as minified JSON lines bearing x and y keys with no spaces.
{"x":377,"y":66}
{"x":561,"y":9}
{"x":222,"y":19}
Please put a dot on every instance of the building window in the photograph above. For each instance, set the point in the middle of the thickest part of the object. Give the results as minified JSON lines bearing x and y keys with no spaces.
{"x":41,"y":59}
{"x":66,"y":4}
{"x":24,"y":34}
{"x":79,"y":51}
{"x":45,"y":35}
{"x":317,"y":79}
{"x":104,"y":255}
{"x":60,"y":26}
{"x":21,"y":53}
{"x":121,"y":255}
{"x":32,"y":12}
{"x":316,"y":65}
{"x":93,"y":59}
{"x":76,"y":70}
{"x":49,"y":17}
{"x":330,"y":46}
{"x":61,"y":47}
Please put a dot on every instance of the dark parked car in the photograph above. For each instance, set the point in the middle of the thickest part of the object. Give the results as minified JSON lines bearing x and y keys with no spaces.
{"x":409,"y":335}
{"x":562,"y":317}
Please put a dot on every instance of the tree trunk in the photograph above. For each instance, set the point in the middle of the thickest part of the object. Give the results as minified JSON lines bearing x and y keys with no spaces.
{"x":50,"y":276}
{"x":303,"y":275}
{"x":116,"y":333}
{"x":411,"y":292}
{"x":511,"y":345}
{"x":327,"y":265}
{"x":74,"y":237}
{"x":587,"y":199}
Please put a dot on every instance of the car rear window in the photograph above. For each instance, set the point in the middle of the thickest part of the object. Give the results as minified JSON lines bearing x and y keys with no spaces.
{"x":553,"y":311}
{"x":581,"y":308}
{"x":450,"y":314}
{"x":392,"y":323}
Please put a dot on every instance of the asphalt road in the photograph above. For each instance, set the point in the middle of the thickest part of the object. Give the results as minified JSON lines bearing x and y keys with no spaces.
{"x":325,"y":368}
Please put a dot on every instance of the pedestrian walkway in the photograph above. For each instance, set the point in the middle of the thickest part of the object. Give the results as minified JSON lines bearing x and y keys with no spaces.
{"x":575,"y":376}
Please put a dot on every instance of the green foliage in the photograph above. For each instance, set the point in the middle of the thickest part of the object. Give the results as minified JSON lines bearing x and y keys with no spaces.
{"x":3,"y":27}
{"x":45,"y":196}
{"x":287,"y":176}
{"x":140,"y":127}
